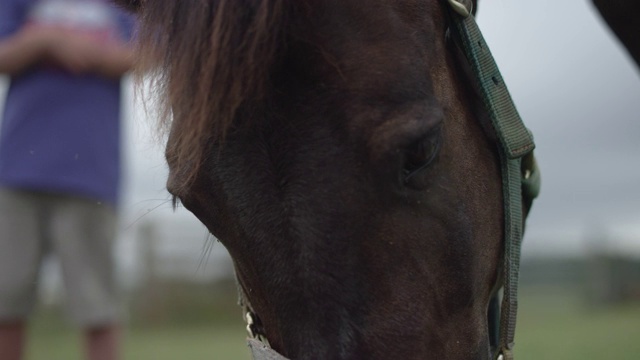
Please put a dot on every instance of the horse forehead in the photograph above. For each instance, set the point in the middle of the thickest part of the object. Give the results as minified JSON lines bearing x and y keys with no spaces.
{"x":341,"y":20}
{"x":409,"y":9}
{"x":376,"y":57}
{"x":368,"y":45}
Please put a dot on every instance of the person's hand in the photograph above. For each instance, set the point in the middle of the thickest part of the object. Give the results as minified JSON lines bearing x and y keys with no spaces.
{"x":80,"y":54}
{"x":74,"y":52}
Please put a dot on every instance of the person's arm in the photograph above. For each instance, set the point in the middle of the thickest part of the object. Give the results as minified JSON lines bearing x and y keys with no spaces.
{"x":76,"y":53}
{"x":115,"y":60}
{"x":22,"y":50}
{"x":81,"y":54}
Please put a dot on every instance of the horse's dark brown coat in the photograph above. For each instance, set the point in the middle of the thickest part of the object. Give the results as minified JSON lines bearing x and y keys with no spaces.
{"x":291,"y":151}
{"x":622,"y":16}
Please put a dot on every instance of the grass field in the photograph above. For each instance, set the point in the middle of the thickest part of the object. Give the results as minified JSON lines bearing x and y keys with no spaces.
{"x":551,"y":325}
{"x":162,"y":343}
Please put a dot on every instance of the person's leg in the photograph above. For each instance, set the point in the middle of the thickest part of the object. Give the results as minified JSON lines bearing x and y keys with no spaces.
{"x":21,"y":250}
{"x":102,"y":343}
{"x":83,"y":237}
{"x":12,"y":339}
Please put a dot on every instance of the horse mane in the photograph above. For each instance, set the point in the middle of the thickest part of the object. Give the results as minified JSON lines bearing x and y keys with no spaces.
{"x":207,"y":59}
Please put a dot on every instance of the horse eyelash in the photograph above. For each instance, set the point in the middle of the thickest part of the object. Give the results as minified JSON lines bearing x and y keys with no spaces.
{"x":435,"y":142}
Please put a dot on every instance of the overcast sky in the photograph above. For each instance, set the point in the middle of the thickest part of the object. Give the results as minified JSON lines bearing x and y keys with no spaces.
{"x":576,"y":89}
{"x":579,"y":92}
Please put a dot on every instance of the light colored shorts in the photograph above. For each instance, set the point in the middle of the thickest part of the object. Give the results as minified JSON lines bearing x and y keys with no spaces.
{"x":80,"y":232}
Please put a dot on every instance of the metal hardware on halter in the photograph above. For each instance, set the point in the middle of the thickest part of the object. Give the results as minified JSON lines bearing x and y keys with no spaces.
{"x":254,"y":327}
{"x":251,"y":331}
{"x":463,"y":7}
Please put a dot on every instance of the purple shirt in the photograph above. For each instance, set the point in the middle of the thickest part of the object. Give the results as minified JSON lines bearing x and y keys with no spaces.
{"x":61,"y":132}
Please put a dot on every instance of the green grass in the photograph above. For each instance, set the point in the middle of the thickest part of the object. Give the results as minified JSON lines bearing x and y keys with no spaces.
{"x":552,"y":325}
{"x":51,"y":339}
{"x":187,"y":343}
{"x":152,"y":344}
{"x":555,"y":325}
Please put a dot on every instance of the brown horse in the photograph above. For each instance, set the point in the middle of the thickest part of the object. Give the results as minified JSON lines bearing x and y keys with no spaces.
{"x":340,"y":152}
{"x":622,"y":16}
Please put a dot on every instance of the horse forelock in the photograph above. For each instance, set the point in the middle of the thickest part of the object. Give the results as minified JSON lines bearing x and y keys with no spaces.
{"x":207,"y":59}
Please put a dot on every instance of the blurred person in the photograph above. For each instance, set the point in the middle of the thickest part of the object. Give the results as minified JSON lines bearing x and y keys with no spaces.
{"x":60,"y":162}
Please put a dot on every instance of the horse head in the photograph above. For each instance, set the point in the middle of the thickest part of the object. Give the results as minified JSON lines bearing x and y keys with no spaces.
{"x":340,"y":153}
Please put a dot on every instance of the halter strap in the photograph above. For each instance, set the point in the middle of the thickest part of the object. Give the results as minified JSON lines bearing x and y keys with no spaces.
{"x":260,"y":351}
{"x":520,"y":175}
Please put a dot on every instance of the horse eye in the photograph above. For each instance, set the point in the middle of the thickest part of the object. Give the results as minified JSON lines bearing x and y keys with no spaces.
{"x":419,"y":155}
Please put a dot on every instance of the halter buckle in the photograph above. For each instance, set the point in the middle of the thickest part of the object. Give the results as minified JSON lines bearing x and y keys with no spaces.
{"x":251,"y":331}
{"x":464,"y":8}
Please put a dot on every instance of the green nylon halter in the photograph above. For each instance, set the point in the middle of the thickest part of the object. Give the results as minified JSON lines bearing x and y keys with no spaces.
{"x":520,"y":175}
